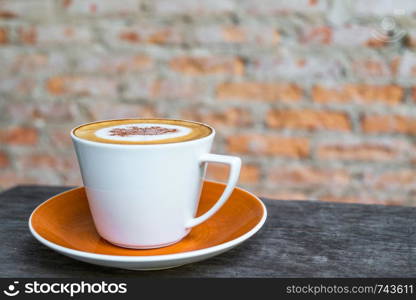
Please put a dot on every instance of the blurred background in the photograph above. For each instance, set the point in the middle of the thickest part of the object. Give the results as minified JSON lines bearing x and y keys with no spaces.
{"x":317,"y":96}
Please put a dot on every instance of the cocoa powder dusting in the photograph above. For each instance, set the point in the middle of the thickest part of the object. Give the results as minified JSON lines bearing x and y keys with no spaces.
{"x":134,"y":130}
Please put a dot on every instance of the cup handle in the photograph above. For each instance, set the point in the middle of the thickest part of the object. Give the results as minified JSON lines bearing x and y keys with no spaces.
{"x":235,"y":165}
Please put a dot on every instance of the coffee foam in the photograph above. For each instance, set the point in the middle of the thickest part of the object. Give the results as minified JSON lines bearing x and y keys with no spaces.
{"x":106,"y":133}
{"x":142,"y":131}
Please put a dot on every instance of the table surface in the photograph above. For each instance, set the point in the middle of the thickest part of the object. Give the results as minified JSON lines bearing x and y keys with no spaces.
{"x":299,"y":239}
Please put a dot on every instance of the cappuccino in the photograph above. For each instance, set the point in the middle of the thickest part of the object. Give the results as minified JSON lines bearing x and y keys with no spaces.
{"x":142,"y":131}
{"x":142,"y":192}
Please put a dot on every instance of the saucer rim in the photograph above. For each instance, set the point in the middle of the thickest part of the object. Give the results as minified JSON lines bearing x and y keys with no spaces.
{"x":149,"y":258}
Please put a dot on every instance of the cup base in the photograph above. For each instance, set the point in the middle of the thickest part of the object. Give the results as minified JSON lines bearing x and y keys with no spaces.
{"x":137,"y":247}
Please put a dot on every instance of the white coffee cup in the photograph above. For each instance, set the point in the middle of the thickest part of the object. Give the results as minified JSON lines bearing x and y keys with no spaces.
{"x":146,"y":196}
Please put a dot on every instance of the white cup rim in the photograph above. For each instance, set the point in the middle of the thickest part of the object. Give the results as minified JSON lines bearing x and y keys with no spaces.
{"x":114,"y":145}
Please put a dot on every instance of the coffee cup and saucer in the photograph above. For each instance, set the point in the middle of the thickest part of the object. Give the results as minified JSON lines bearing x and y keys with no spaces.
{"x":145,"y":204}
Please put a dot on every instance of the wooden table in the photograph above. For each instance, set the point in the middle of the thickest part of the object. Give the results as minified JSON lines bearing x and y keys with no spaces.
{"x":299,"y":239}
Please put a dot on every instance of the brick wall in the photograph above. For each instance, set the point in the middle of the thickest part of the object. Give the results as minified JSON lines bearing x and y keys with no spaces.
{"x":318,"y":97}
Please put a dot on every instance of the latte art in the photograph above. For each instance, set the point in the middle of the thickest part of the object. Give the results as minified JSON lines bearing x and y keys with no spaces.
{"x":134,"y":130}
{"x":142,"y":131}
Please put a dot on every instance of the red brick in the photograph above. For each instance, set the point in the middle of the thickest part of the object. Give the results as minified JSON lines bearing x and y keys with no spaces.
{"x":292,"y":66}
{"x":130,"y":36}
{"x":81,"y":86}
{"x":250,"y":174}
{"x":295,"y":147}
{"x":360,"y":152}
{"x":395,"y":64}
{"x":33,"y":62}
{"x":145,"y":35}
{"x":3,"y":36}
{"x":26,"y":9}
{"x":259,"y":91}
{"x":161,"y":36}
{"x":39,"y":161}
{"x":322,"y":94}
{"x":374,"y":67}
{"x":19,"y":62}
{"x":403,"y":179}
{"x":68,"y":164}
{"x":94,"y":7}
{"x":308,"y":176}
{"x":234,"y":34}
{"x":362,"y":93}
{"x":56,"y":85}
{"x":411,"y":38}
{"x":228,"y":117}
{"x":217,"y":34}
{"x":65,"y":164}
{"x":317,"y":35}
{"x":207,"y":65}
{"x":381,"y":8}
{"x":271,"y":7}
{"x":56,"y":111}
{"x":282,"y":194}
{"x":193,"y":8}
{"x":114,"y":63}
{"x":17,"y":86}
{"x":184,"y":88}
{"x":49,"y":161}
{"x":110,"y":110}
{"x":18,"y":111}
{"x":71,"y":178}
{"x":4,"y":160}
{"x":389,"y":124}
{"x":177,"y":89}
{"x":360,"y":35}
{"x":381,"y":40}
{"x":19,"y":136}
{"x":60,"y":137}
{"x":59,"y":111}
{"x":28,"y":35}
{"x":7,"y":14}
{"x":308,"y":120}
{"x":54,"y":34}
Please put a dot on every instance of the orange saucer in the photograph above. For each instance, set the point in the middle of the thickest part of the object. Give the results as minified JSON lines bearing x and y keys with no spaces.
{"x":64,"y":223}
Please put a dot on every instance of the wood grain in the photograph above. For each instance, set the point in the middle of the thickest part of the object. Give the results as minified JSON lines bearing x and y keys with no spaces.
{"x":300,"y":239}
